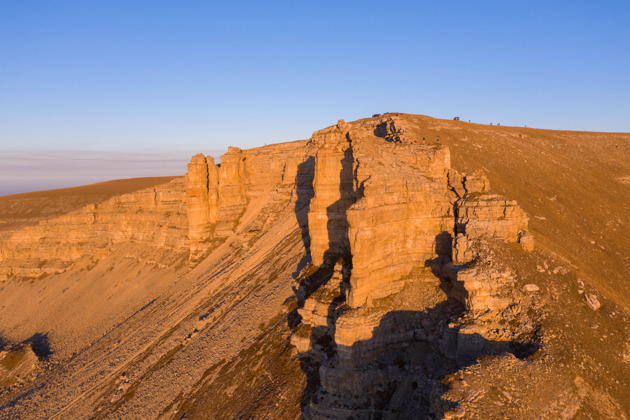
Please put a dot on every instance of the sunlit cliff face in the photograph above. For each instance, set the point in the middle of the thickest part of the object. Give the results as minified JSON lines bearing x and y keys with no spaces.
{"x":369,"y":271}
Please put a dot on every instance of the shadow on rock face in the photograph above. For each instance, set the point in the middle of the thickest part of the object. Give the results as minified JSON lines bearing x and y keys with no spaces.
{"x":305,"y":192}
{"x":396,"y":372}
{"x":337,"y":213}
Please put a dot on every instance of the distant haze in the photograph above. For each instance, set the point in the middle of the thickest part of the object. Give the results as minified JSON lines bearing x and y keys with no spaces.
{"x":25,"y":171}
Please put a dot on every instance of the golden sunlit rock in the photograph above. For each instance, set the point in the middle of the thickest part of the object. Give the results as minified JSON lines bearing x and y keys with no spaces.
{"x":397,"y":266}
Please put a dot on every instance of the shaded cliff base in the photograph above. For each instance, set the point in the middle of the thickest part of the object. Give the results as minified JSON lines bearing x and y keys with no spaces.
{"x":566,"y":369}
{"x":557,"y":363}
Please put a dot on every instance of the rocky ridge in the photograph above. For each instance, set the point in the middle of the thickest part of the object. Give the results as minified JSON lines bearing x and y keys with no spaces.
{"x":407,"y":288}
{"x":155,"y":217}
{"x":217,"y":196}
{"x":386,"y":218}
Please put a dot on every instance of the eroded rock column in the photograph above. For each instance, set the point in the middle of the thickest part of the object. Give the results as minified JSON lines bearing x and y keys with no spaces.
{"x":197,"y":203}
{"x":334,"y":194}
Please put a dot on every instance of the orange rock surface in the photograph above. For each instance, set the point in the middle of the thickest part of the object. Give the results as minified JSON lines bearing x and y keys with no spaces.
{"x":370,"y":271}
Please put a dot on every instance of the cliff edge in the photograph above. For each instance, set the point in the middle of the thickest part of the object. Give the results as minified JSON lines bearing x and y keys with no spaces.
{"x":397,"y":266}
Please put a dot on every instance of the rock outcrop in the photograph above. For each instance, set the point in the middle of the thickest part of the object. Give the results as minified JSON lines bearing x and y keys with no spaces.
{"x":17,"y":365}
{"x":202,"y":193}
{"x":190,"y":215}
{"x":408,"y":289}
{"x":407,"y":237}
{"x":154,"y":217}
{"x":334,"y":194}
{"x":217,"y":196}
{"x":403,"y":219}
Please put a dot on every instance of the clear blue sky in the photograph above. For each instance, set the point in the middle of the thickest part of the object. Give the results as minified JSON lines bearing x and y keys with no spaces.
{"x":202,"y":75}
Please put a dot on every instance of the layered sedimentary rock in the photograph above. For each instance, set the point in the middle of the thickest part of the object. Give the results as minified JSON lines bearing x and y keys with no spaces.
{"x":191,"y":215}
{"x":490,"y":214}
{"x":479,"y":215}
{"x":334,"y":194}
{"x":410,"y":231}
{"x":401,"y":287}
{"x":154,"y":217}
{"x":217,"y":196}
{"x":414,"y":276}
{"x":404,"y":218}
{"x":201,"y":200}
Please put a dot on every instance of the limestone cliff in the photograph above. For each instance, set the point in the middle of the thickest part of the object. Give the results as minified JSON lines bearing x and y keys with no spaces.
{"x":356,"y":274}
{"x":217,"y":196}
{"x":153,"y":217}
{"x":395,"y":269}
{"x":389,"y":214}
{"x":186,"y":216}
{"x":334,"y":193}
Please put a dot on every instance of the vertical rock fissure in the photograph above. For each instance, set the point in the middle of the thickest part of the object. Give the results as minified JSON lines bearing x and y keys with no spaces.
{"x":337,"y":213}
{"x":304,"y":191}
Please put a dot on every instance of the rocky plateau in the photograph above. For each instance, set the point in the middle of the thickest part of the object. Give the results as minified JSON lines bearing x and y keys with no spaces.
{"x":397,"y":266}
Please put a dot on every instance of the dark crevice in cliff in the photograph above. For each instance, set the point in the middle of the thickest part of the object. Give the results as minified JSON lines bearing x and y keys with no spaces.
{"x":305,"y":192}
{"x":337,"y":256}
{"x":338,"y":241}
